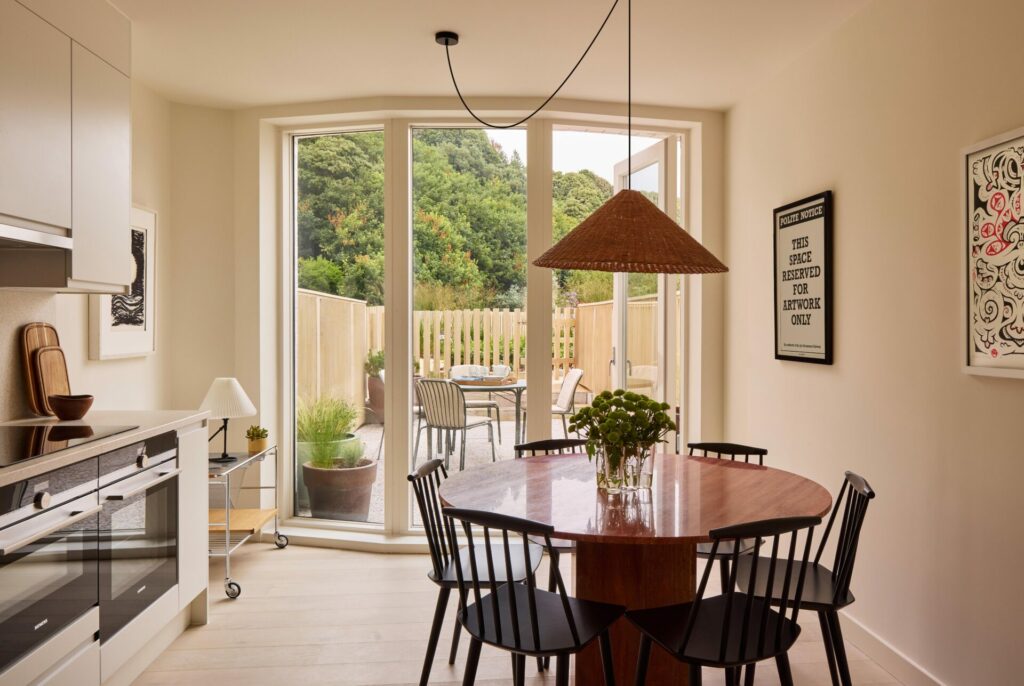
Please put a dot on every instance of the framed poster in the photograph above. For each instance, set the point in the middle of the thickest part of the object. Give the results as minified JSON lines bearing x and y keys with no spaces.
{"x":125,"y":325}
{"x":803,"y":280}
{"x":993,"y":254}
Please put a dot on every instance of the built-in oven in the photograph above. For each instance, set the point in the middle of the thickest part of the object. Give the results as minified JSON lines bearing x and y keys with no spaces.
{"x":138,"y":535}
{"x":48,"y":561}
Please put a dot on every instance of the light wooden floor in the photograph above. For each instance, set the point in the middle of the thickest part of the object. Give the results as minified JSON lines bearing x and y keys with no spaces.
{"x":320,"y":616}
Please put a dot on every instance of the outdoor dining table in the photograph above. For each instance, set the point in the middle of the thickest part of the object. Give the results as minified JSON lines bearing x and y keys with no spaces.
{"x":517,"y":388}
{"x":636,"y":548}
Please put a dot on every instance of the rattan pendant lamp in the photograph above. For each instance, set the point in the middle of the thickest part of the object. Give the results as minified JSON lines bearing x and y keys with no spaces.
{"x":628,"y":233}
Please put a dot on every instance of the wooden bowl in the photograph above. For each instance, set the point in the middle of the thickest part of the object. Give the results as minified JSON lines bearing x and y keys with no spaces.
{"x":70,"y":407}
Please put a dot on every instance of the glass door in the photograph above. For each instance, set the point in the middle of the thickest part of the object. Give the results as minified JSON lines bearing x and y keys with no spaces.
{"x":639,"y":345}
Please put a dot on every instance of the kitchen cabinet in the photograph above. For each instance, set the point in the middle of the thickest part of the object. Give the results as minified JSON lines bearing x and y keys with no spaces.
{"x":193,"y":567}
{"x":95,"y":24}
{"x":35,"y":120}
{"x":100,"y":171}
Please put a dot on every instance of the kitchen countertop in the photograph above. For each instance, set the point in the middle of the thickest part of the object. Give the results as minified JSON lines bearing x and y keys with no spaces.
{"x":150,"y":423}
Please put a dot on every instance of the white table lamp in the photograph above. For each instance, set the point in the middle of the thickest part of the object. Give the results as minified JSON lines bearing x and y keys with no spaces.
{"x":226,"y":400}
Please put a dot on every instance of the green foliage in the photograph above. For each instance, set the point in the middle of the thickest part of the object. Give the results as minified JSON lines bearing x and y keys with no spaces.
{"x":469,"y":218}
{"x":256,"y":432}
{"x":320,"y":274}
{"x":624,"y":422}
{"x":374,"y":363}
{"x":322,"y":423}
{"x":349,"y":455}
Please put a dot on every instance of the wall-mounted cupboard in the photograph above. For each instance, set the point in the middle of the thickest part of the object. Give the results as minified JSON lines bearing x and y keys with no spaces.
{"x":65,"y":146}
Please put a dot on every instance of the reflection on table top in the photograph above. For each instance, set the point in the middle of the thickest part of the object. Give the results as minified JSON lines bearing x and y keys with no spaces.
{"x":690,"y":497}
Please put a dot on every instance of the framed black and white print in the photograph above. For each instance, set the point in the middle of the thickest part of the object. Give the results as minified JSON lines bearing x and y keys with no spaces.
{"x":125,"y":325}
{"x":993,"y":256}
{"x":803,"y":280}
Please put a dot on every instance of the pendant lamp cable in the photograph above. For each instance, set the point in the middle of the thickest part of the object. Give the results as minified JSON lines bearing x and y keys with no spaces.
{"x":447,"y":54}
{"x":629,"y":94}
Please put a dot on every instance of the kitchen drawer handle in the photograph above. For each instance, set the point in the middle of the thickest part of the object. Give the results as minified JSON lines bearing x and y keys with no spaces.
{"x":143,"y":487}
{"x":7,"y":546}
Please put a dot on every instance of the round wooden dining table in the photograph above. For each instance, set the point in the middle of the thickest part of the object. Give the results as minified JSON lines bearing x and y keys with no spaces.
{"x":636,"y":548}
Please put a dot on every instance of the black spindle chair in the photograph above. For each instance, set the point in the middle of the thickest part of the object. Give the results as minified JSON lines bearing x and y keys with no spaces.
{"x":516,"y":616}
{"x":828,"y":591}
{"x":553,"y":446}
{"x":448,"y":562}
{"x":735,"y":628}
{"x":732,"y":451}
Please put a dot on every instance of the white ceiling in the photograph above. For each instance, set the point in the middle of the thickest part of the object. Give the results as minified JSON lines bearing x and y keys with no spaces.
{"x":697,"y":53}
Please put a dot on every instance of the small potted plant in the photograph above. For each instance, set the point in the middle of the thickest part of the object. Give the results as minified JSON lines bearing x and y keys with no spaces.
{"x":622,"y":429}
{"x":257,"y":436}
{"x":337,"y":479}
{"x":374,"y":368}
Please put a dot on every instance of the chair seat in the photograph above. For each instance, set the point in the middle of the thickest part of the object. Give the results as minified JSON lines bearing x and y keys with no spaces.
{"x":666,"y":626}
{"x":450,"y":576}
{"x":555,"y":636}
{"x":819,"y":588}
{"x":725,"y":548}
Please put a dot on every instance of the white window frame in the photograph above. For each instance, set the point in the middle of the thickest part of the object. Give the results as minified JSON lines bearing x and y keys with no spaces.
{"x":397,"y":532}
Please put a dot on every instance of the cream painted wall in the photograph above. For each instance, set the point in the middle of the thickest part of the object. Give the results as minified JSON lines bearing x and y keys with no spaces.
{"x":137,"y":382}
{"x":879,"y":112}
{"x":202,"y":249}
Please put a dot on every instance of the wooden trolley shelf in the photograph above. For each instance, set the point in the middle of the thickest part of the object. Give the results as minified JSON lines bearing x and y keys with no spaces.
{"x":246,"y":521}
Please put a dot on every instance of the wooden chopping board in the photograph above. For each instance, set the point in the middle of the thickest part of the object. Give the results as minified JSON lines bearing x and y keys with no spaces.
{"x":33,"y":337}
{"x":51,"y":374}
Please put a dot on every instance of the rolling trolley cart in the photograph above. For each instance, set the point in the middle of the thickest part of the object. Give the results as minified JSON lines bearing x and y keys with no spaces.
{"x":231,"y":526}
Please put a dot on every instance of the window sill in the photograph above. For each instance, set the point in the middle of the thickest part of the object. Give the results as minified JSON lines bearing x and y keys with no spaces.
{"x":368,"y":541}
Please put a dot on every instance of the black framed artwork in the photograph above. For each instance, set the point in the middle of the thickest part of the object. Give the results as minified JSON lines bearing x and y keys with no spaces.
{"x":803,"y":280}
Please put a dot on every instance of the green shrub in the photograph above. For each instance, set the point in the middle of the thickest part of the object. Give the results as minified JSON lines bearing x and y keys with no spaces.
{"x":322,"y":423}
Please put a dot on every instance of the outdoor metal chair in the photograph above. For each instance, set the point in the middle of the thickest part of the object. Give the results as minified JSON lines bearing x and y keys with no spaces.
{"x":444,"y":408}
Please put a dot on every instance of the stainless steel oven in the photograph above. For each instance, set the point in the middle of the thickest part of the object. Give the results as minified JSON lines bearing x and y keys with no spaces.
{"x":48,"y":560}
{"x":138,"y":538}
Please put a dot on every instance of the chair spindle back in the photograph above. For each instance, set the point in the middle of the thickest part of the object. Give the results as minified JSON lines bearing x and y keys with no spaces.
{"x":749,"y":622}
{"x":853,"y":498}
{"x":730,"y":450}
{"x":425,"y":484}
{"x":493,"y":526}
{"x":550,"y":446}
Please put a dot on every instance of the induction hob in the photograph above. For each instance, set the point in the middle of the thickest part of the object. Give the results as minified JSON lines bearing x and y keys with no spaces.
{"x":20,"y":442}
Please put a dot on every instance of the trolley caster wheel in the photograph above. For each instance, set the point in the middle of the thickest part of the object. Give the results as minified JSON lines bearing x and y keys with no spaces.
{"x":232,"y":589}
{"x":281,"y":541}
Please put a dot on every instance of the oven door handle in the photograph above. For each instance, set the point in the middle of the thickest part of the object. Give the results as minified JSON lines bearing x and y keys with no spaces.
{"x":8,"y":546}
{"x":136,"y":489}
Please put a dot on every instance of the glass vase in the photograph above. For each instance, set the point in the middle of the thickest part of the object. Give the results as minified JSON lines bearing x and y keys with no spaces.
{"x":611,"y":476}
{"x":639,"y":469}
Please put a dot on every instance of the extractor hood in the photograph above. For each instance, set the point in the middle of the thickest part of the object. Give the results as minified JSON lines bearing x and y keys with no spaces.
{"x":13,"y":237}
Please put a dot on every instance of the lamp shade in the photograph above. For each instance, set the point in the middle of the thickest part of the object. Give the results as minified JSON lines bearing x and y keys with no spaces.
{"x":227,"y":400}
{"x":629,"y":233}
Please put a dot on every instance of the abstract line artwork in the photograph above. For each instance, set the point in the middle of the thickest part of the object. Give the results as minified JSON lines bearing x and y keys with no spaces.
{"x":130,"y":310}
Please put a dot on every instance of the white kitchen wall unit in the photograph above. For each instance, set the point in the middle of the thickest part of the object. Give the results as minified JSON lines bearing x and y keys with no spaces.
{"x":65,"y":146}
{"x":100,"y":171}
{"x":35,"y":121}
{"x":95,"y":24}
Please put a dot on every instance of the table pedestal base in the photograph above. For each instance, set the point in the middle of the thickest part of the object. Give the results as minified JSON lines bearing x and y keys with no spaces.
{"x":637,"y":576}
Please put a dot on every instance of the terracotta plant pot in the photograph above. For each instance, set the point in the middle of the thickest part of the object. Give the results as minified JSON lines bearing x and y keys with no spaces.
{"x":341,"y":493}
{"x":375,"y":399}
{"x":303,"y":454}
{"x":257,"y":445}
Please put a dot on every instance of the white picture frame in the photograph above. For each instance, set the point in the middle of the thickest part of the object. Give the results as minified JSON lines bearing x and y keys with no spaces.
{"x":1008,"y":358}
{"x":123,"y":326}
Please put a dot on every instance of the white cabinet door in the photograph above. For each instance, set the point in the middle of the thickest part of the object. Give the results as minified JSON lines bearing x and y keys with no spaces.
{"x":193,"y":514}
{"x":35,"y":119}
{"x":100,"y":172}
